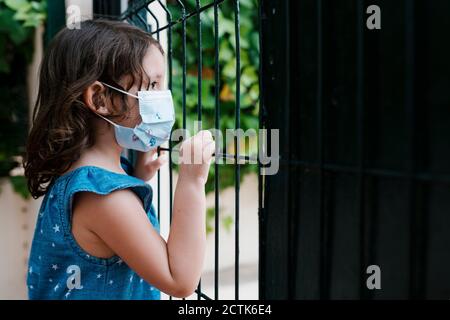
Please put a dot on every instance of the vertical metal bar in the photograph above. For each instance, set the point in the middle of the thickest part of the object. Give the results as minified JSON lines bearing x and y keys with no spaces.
{"x":292,"y":181}
{"x":159,"y":153}
{"x":237,"y":143}
{"x":199,"y":60}
{"x":170,"y":57}
{"x":320,"y":111}
{"x":56,"y":19}
{"x":156,"y":20}
{"x":216,"y":165}
{"x":410,"y":115}
{"x":360,"y":124}
{"x":142,"y":17}
{"x":199,"y":91}
{"x":183,"y":30}
{"x":261,"y":181}
{"x":417,"y":223}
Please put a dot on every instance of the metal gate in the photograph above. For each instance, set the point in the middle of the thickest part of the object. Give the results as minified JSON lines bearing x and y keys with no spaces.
{"x":364,"y":124}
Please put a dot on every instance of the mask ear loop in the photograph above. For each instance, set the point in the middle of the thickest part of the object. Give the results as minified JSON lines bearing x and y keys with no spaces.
{"x":117,"y":89}
{"x":120,"y":90}
{"x":106,"y":119}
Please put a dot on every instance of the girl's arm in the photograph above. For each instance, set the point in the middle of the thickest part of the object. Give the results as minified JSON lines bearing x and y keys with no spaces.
{"x":119,"y":220}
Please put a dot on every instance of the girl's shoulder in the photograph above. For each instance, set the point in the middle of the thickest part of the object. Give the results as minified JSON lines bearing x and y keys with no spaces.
{"x":100,"y":181}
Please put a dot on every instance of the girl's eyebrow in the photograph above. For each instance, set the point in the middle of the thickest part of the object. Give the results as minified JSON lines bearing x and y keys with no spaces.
{"x":155,"y":77}
{"x":152,"y":77}
{"x":148,"y":79}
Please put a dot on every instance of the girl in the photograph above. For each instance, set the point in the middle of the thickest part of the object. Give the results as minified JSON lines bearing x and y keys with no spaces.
{"x":97,"y":236}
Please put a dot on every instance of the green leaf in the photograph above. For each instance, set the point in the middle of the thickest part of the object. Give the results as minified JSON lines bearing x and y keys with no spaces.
{"x":230,"y":69}
{"x":18,"y":5}
{"x":227,"y":223}
{"x":39,"y":6}
{"x":17,"y":33}
{"x":19,"y":184}
{"x":21,"y":15}
{"x":34,"y":20}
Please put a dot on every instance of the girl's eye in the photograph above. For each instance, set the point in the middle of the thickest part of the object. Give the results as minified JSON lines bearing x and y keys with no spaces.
{"x":153,"y":84}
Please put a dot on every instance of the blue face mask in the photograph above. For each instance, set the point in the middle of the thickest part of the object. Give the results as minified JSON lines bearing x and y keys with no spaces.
{"x":158,"y":117}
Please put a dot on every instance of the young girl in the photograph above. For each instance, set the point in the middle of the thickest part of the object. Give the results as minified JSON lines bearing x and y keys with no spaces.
{"x":97,"y":235}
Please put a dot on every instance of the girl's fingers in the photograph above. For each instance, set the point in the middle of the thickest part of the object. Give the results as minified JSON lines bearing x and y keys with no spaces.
{"x":146,"y":157}
{"x":152,"y":152}
{"x":148,"y":154}
{"x":208,"y":150}
{"x":158,"y":162}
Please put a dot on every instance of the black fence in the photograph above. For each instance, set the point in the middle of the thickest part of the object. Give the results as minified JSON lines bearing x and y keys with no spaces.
{"x":364,"y":123}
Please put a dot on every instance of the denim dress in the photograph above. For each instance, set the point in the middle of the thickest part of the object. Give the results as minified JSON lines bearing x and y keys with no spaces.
{"x":59,"y":268}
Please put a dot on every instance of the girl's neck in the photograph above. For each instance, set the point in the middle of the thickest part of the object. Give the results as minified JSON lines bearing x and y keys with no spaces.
{"x":105,"y":153}
{"x":104,"y":156}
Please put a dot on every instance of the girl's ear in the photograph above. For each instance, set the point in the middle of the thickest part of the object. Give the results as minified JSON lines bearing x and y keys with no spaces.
{"x":95,"y":99}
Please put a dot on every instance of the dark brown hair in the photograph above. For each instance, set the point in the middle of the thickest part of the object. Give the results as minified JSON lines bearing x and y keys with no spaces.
{"x":99,"y":50}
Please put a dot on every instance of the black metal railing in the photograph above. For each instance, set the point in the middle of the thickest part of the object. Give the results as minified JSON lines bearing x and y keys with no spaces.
{"x":364,"y":150}
{"x":137,"y":13}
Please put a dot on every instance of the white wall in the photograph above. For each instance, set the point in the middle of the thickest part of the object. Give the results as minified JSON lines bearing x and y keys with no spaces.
{"x":17,"y":221}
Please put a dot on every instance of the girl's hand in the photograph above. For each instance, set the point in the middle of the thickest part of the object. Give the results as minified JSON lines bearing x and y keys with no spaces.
{"x":195,"y":157}
{"x":147,"y":165}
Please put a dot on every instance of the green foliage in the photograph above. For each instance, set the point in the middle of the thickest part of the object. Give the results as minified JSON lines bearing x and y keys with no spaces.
{"x":249,"y":84}
{"x":18,"y":20}
{"x":19,"y":184}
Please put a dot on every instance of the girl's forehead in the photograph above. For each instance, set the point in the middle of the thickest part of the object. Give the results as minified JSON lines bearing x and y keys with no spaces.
{"x":154,"y":64}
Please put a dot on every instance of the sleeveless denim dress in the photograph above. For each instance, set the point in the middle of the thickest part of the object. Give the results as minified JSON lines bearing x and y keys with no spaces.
{"x":59,"y":268}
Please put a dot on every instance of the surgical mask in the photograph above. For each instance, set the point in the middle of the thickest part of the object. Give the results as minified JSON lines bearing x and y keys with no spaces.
{"x":158,"y":117}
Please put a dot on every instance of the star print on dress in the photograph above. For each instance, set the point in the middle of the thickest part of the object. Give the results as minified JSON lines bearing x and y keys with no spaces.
{"x":54,"y":249}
